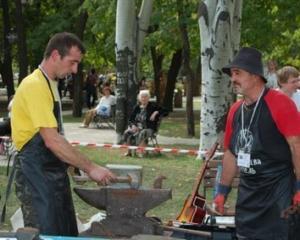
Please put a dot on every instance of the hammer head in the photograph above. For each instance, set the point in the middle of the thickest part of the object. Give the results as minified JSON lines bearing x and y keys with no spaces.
{"x":129,"y":176}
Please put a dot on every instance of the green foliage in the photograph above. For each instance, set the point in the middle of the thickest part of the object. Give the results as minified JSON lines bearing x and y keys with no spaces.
{"x":101,"y":40}
{"x":45,"y":18}
{"x":166,"y":37}
{"x":273,"y":27}
{"x":269,"y":25}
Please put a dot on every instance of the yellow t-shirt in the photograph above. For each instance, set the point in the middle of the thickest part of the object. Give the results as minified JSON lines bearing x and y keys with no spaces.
{"x":32,"y":108}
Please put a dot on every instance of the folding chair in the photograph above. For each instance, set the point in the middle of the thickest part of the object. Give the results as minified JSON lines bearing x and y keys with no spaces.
{"x":153,"y":139}
{"x":108,"y":120}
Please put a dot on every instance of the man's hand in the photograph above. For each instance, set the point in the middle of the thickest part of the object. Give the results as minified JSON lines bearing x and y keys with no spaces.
{"x":153,"y":115}
{"x":101,"y":175}
{"x":296,"y":199}
{"x":219,"y":202}
{"x":134,"y":128}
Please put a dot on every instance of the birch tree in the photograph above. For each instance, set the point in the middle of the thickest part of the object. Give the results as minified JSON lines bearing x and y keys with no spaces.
{"x":220,"y":28}
{"x":130,"y":33}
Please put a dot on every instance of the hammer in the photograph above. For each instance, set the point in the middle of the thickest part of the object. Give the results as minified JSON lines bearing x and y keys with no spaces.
{"x":131,"y":179}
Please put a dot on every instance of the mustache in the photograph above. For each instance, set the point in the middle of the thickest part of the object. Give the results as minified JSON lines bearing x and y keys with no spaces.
{"x":235,"y":84}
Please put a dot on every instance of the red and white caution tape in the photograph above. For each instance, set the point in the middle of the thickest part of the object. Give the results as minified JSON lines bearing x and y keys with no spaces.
{"x":6,"y":138}
{"x":192,"y":152}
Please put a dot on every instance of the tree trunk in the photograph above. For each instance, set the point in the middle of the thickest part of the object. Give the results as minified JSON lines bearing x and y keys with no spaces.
{"x":171,"y":79}
{"x":187,"y":70}
{"x":157,"y":60}
{"x":197,"y":79}
{"x":130,"y":35}
{"x":78,"y":78}
{"x":127,"y":87}
{"x":6,"y":69}
{"x":21,"y":41}
{"x":142,"y":29}
{"x":220,"y":23}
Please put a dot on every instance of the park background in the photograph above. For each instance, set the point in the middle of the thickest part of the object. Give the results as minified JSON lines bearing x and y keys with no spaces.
{"x":172,"y":47}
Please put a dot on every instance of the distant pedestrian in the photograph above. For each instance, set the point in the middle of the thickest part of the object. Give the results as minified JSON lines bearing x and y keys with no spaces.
{"x":69,"y":86}
{"x":61,"y":87}
{"x":271,"y":75}
{"x":91,"y":88}
{"x":143,"y":84}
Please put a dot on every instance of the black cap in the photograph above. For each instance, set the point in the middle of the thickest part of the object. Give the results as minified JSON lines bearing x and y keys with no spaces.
{"x":248,"y":59}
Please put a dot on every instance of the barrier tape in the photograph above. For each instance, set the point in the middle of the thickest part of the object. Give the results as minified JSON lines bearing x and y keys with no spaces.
{"x":192,"y":152}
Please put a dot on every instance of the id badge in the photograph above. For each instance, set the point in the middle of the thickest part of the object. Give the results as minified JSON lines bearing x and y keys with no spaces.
{"x":243,"y":159}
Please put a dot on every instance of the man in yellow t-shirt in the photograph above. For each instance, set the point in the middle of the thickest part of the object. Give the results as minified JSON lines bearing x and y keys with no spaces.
{"x":33,"y":108}
{"x":42,"y":184}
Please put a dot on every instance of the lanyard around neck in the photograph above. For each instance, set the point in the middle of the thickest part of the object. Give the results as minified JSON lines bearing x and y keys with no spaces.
{"x":254,"y":111}
{"x":48,"y":81}
{"x":59,"y":117}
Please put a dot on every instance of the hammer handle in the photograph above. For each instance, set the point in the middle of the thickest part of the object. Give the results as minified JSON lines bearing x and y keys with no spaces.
{"x":123,"y":179}
{"x":87,"y":179}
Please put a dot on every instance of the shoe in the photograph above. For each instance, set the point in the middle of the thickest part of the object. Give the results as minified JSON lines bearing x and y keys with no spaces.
{"x":128,"y":154}
{"x":83,"y":126}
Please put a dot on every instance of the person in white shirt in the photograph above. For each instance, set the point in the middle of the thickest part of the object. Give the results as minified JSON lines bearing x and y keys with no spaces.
{"x":288,"y":80}
{"x":103,"y":108}
{"x":271,"y":75}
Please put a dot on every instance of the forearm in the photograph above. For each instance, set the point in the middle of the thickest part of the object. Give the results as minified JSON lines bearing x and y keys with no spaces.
{"x":229,"y":168}
{"x":65,"y":152}
{"x":72,"y":156}
{"x":294,"y":143}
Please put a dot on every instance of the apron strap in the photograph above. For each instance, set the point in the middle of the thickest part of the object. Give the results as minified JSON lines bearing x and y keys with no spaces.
{"x":11,"y":178}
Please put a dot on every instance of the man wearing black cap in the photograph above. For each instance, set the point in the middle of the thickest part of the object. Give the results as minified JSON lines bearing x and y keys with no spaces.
{"x":262,"y":142}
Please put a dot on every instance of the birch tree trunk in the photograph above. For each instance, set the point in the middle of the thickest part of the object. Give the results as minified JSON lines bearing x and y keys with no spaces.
{"x":220,"y":27}
{"x":142,"y":30}
{"x":130,"y":34}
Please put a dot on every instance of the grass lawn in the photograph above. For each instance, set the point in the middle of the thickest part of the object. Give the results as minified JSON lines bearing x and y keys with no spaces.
{"x":180,"y":170}
{"x":176,"y":127}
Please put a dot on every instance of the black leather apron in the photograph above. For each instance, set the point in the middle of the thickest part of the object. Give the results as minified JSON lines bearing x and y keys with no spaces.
{"x":46,"y":178}
{"x":266,"y":187}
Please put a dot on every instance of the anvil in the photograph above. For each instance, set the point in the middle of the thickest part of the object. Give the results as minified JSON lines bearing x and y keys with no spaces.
{"x":125,"y":210}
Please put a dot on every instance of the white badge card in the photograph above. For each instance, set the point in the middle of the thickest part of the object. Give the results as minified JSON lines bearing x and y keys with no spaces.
{"x":243,"y":159}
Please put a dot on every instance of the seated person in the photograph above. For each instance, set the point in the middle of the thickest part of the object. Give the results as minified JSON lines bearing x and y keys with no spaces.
{"x":143,"y":121}
{"x":103,"y":108}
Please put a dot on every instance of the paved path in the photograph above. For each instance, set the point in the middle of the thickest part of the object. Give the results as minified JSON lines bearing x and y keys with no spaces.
{"x":75,"y":133}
